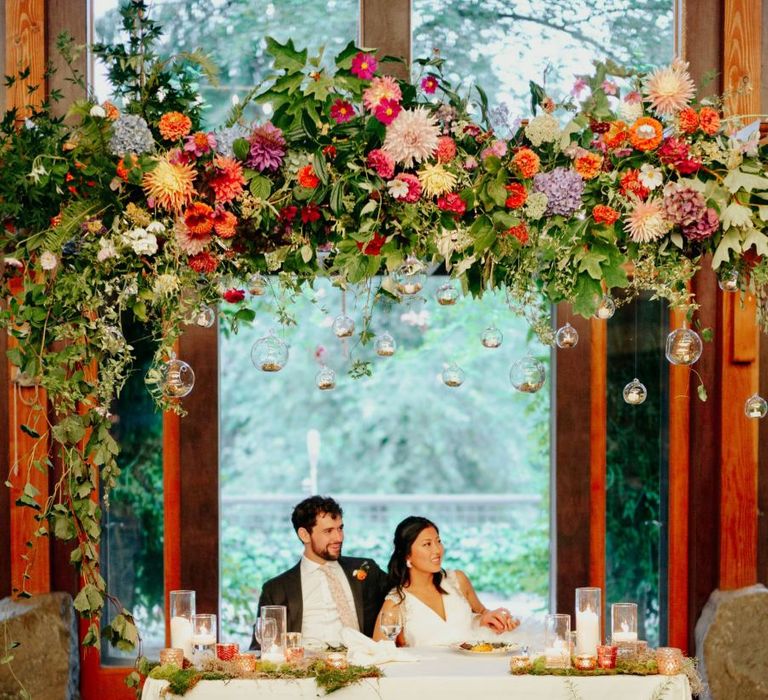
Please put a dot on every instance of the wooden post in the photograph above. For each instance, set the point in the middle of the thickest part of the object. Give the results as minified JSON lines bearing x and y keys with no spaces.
{"x":386,"y":26}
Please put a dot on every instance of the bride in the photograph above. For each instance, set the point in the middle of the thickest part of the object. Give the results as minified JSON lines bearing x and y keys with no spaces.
{"x":436,"y":607}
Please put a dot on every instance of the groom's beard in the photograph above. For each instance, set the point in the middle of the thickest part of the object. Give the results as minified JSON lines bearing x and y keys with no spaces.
{"x":328,"y":554}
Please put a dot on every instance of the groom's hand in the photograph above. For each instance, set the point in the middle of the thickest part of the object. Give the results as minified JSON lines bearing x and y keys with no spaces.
{"x":499,"y":620}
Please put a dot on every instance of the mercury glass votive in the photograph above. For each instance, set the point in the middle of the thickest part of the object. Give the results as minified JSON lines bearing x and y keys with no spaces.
{"x":585,"y":662}
{"x":606,"y":656}
{"x":294,"y":647}
{"x":337,"y":660}
{"x":246,"y":663}
{"x":669,"y":660}
{"x":172,"y":656}
{"x":519,"y":663}
{"x":227,"y":651}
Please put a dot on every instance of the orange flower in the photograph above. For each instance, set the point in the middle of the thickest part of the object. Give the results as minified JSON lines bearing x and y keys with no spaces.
{"x":517,"y":195}
{"x":198,"y":217}
{"x":123,"y":168}
{"x":224,"y":222}
{"x":527,"y":163}
{"x":709,"y":120}
{"x":520,"y":232}
{"x":646,"y":133}
{"x":629,"y":184}
{"x":689,"y":120}
{"x":603,"y":214}
{"x":228,"y":180}
{"x":112,"y":112}
{"x":307,"y":177}
{"x":170,"y":185}
{"x":617,"y":134}
{"x":174,"y":126}
{"x":588,"y":165}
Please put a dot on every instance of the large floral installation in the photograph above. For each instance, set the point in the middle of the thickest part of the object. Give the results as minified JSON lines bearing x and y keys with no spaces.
{"x":133,"y":209}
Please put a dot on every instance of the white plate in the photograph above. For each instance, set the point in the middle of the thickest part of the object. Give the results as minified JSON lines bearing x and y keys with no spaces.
{"x":504,"y":648}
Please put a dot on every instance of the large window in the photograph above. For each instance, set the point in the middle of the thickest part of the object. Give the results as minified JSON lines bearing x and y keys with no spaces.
{"x":473,"y":458}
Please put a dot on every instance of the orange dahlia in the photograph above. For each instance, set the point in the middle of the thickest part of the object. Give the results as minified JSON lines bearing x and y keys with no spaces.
{"x":588,"y":165}
{"x":170,"y":185}
{"x":227,"y":181}
{"x":603,"y":214}
{"x":198,"y":218}
{"x":307,"y":178}
{"x":709,"y":120}
{"x":617,"y":134}
{"x":629,"y":184}
{"x":224,"y":222}
{"x":526,"y":162}
{"x":203,"y":262}
{"x":646,"y":133}
{"x":689,"y":120}
{"x":174,"y":126}
{"x":520,"y":232}
{"x":112,"y":112}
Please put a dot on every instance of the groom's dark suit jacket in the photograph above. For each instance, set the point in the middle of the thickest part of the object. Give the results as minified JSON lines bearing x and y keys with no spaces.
{"x":368,"y":594}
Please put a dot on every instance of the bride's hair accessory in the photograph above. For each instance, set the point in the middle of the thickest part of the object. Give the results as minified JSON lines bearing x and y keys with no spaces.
{"x":408,"y":563}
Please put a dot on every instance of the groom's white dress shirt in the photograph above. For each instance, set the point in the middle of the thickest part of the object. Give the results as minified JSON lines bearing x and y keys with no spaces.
{"x":320,"y":618}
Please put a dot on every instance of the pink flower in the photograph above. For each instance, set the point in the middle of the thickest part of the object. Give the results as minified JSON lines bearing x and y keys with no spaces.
{"x":200,"y":143}
{"x":414,"y":187}
{"x":446,"y":149}
{"x":382,"y":163}
{"x":498,"y":148}
{"x":609,"y":88}
{"x":387,"y":110}
{"x":342,"y":111}
{"x":384,"y":88}
{"x":429,"y":84}
{"x":578,"y":87}
{"x":632,"y":98}
{"x":453,"y":203}
{"x":364,"y":66}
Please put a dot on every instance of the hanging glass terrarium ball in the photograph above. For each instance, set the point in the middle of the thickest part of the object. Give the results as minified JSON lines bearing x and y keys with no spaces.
{"x":728,"y":280}
{"x":343,"y":326}
{"x":176,"y":378}
{"x":385,"y":345}
{"x":453,"y":375}
{"x":269,"y":354}
{"x":606,"y":308}
{"x":325,"y":379}
{"x":205,"y":317}
{"x":684,"y":346}
{"x":635,"y":393}
{"x":567,"y":336}
{"x":492,"y":338}
{"x":257,"y":285}
{"x":756,"y":407}
{"x":410,"y":277}
{"x":113,"y":340}
{"x":447,"y":294}
{"x":527,"y":375}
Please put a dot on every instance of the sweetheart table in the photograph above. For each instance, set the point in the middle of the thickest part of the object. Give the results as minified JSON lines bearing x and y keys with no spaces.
{"x":453,"y":674}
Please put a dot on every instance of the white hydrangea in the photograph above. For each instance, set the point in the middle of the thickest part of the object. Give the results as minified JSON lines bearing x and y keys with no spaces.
{"x":142,"y":242}
{"x":107,"y":250}
{"x":156,"y":227}
{"x":165,"y":285}
{"x":542,"y":129}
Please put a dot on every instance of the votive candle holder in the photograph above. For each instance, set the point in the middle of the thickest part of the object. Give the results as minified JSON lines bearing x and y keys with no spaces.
{"x":246,"y":663}
{"x":227,"y":651}
{"x":337,"y":660}
{"x":585,"y":662}
{"x":557,"y":641}
{"x":606,"y":656}
{"x":520,"y":663}
{"x":172,"y":656}
{"x":669,"y":660}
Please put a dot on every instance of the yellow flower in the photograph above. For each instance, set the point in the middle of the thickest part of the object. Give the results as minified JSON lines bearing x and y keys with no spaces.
{"x":170,"y":184}
{"x":436,"y":180}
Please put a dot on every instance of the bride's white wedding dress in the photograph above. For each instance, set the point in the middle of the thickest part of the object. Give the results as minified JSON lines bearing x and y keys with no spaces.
{"x":423,"y":627}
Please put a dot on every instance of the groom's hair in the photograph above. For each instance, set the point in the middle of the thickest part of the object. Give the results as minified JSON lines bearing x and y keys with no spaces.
{"x":305,"y":513}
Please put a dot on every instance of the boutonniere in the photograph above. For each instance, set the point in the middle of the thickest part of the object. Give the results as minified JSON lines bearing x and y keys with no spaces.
{"x":362,"y":573}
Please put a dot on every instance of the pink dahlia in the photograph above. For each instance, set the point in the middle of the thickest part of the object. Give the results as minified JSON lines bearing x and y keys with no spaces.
{"x":342,"y":111}
{"x":382,"y":163}
{"x":453,"y":203}
{"x":189,"y":241}
{"x":387,"y":110}
{"x":384,"y":88}
{"x":267,"y":147}
{"x":670,"y":89}
{"x":498,"y":148}
{"x":646,"y":222}
{"x":200,"y":143}
{"x":364,"y":66}
{"x":446,"y":149}
{"x":412,"y":137}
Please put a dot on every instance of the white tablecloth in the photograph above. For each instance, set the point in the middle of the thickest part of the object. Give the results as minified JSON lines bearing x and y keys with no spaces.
{"x":450,"y":673}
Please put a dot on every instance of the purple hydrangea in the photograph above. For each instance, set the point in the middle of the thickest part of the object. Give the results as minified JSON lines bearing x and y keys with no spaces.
{"x":130,"y":134}
{"x":226,"y":137}
{"x":683,"y":205}
{"x":703,"y":228}
{"x":563,"y":188}
{"x":267,"y":147}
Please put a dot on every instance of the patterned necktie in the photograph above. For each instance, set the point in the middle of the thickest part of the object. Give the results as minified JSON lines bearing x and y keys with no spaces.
{"x":346,"y":614}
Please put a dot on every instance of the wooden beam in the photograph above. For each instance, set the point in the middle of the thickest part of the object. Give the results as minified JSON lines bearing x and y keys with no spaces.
{"x":72,"y":18}
{"x":762,"y":477}
{"x":386,"y":26}
{"x":5,"y":496}
{"x":25,"y":48}
{"x":570,"y":481}
{"x":598,"y":432}
{"x":171,"y":512}
{"x":679,"y":466}
{"x":739,"y":340}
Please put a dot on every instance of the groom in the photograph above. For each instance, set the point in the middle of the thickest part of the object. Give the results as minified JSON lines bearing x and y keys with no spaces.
{"x":325,"y":591}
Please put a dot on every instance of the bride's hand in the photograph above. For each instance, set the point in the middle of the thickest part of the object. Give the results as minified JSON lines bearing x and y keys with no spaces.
{"x":499,"y":620}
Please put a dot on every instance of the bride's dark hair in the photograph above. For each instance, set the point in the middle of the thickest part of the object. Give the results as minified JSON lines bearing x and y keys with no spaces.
{"x":405,"y":535}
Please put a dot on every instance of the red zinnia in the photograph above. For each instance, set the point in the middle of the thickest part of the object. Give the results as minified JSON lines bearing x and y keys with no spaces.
{"x":310,"y":213}
{"x":342,"y":111}
{"x":517,"y":195}
{"x":234,"y":295}
{"x":452,"y":202}
{"x":603,"y":214}
{"x":364,"y":66}
{"x":307,"y":177}
{"x":387,"y":110}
